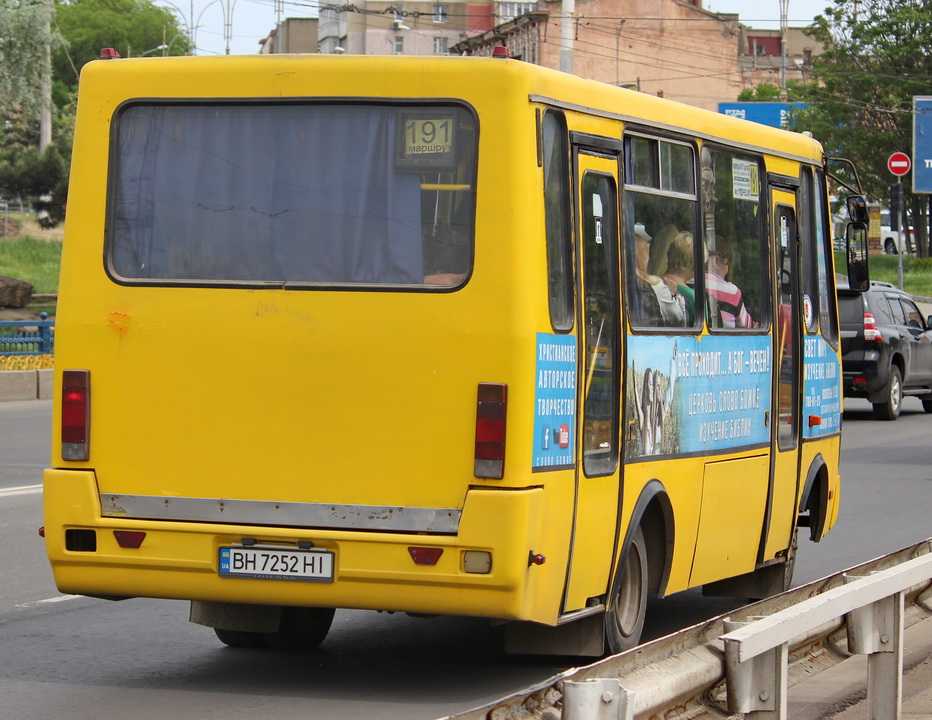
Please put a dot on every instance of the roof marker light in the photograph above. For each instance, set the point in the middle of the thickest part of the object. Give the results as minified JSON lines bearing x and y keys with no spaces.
{"x":500,"y":51}
{"x":108,"y":54}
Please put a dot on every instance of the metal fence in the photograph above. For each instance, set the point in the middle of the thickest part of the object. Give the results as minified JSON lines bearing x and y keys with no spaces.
{"x":27,"y":337}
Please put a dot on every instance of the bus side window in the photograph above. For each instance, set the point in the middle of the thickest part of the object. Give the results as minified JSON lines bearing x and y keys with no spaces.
{"x":735,"y":241}
{"x":557,"y":220}
{"x":660,"y":240}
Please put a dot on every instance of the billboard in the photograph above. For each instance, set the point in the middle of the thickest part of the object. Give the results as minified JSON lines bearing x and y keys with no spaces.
{"x":775,"y":114}
{"x":922,"y":144}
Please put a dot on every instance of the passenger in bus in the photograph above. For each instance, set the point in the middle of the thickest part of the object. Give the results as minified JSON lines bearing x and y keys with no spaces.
{"x":660,"y":248}
{"x":681,"y":270}
{"x":725,"y":301}
{"x":446,"y":256}
{"x":665,"y":309}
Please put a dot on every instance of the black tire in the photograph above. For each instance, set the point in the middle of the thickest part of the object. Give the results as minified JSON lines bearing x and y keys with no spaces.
{"x":889,"y":409}
{"x":889,"y":246}
{"x":624,"y":621}
{"x":789,"y":567}
{"x":240,"y":639}
{"x":301,"y":628}
{"x":927,"y":403}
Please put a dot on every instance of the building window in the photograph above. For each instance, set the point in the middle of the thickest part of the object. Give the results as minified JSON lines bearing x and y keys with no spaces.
{"x":441,"y":45}
{"x":508,"y":11}
{"x":399,"y":45}
{"x":441,"y":13}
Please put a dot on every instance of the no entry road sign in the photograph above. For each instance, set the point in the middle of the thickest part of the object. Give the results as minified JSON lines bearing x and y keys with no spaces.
{"x":899,"y":163}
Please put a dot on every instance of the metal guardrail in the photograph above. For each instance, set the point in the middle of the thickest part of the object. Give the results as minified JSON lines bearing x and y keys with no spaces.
{"x":798,"y":632}
{"x":756,"y":651}
{"x":28,"y":337}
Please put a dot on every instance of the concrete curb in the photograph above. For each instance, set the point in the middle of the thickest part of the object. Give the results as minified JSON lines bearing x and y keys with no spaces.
{"x":26,"y":384}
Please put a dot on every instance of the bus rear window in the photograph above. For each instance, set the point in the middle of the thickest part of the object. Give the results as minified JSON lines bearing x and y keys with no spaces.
{"x":337,"y":194}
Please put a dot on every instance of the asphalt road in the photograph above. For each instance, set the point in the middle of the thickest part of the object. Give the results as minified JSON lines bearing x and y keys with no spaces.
{"x":69,"y":658}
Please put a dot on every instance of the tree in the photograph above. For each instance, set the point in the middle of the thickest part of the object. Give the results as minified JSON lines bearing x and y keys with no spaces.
{"x":26,"y":172}
{"x":24,"y":36}
{"x":133,"y":27}
{"x":875,"y":60}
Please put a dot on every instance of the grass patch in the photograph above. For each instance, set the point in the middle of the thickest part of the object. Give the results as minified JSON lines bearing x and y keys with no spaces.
{"x":917,"y":273}
{"x":35,"y":261}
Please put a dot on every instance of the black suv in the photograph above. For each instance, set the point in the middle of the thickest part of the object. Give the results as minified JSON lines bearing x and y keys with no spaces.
{"x":886,"y":348}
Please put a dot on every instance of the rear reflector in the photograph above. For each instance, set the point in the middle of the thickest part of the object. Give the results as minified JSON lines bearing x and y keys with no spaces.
{"x":425,"y":555}
{"x":129,"y":539}
{"x":491,"y":411}
{"x":75,"y":414}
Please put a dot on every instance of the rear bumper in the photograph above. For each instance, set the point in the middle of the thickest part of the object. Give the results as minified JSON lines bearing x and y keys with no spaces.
{"x":373,"y":570}
{"x":867,"y":376}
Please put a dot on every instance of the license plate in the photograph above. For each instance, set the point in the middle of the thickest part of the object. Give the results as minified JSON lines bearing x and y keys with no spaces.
{"x":276,"y":564}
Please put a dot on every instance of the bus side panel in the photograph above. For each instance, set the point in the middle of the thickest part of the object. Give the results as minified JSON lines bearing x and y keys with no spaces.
{"x":733,"y":497}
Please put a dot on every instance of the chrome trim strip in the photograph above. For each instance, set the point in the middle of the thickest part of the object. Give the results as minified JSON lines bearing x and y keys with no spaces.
{"x":328,"y":516}
{"x":578,"y":614}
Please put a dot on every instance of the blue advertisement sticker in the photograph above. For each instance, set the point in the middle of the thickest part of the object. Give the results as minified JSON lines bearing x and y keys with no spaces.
{"x":555,"y":402}
{"x":687,"y":395}
{"x":821,"y":389}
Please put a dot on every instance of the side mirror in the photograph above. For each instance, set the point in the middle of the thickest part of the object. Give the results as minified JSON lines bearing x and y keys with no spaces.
{"x":857,"y":209}
{"x":856,"y":253}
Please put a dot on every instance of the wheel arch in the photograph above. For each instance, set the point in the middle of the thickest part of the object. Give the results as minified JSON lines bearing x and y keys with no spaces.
{"x":653,"y":513}
{"x":814,"y":499}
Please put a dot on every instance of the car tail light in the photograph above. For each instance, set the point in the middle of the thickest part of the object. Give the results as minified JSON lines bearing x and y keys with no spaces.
{"x":75,"y":414}
{"x":871,"y":331}
{"x":491,"y":407}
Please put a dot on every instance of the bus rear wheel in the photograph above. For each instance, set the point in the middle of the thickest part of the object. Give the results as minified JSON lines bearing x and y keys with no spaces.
{"x":241,"y":639}
{"x":624,"y":622}
{"x":301,"y":628}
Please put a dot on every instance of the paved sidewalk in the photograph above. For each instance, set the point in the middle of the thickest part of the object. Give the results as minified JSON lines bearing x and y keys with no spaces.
{"x":840,"y":692}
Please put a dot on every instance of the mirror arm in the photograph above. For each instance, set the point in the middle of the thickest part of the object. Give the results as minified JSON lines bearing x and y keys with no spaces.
{"x":857,"y":180}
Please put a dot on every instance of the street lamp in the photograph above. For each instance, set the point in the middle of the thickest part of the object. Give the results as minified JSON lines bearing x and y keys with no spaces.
{"x":228,"y":6}
{"x":155,"y":49}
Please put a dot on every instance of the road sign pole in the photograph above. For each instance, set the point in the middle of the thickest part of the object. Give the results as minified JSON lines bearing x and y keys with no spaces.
{"x":900,"y":242}
{"x":899,"y":164}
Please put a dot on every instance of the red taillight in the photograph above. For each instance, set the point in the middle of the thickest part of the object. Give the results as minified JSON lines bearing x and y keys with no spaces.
{"x":491,"y":407}
{"x":871,"y":331}
{"x":75,"y":414}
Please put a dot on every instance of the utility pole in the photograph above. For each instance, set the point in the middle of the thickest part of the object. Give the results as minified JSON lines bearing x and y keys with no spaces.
{"x":784,"y":8}
{"x":568,"y":34}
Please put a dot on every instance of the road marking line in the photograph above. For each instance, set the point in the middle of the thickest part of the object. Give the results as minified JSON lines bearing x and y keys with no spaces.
{"x":60,"y":598}
{"x":22,"y":490}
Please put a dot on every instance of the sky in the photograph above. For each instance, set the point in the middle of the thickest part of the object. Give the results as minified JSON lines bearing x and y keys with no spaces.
{"x":252,"y":20}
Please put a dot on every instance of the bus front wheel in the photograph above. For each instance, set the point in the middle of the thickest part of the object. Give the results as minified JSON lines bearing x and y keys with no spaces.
{"x":624,"y":621}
